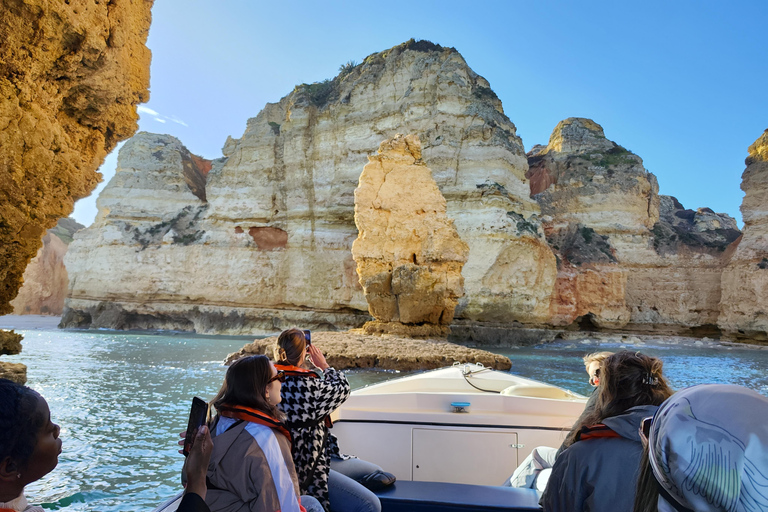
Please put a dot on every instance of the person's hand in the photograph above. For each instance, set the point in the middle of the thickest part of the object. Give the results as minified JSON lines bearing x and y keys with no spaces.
{"x":317,"y":357}
{"x":197,"y":461}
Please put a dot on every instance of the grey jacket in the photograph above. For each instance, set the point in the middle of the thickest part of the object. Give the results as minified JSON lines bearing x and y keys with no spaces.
{"x":597,"y":475}
{"x":251,"y":470}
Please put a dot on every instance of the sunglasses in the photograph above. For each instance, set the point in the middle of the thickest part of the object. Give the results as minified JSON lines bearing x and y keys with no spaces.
{"x":279,"y":376}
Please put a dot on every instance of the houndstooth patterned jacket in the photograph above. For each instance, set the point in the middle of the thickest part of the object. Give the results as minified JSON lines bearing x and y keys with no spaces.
{"x":307,"y":401}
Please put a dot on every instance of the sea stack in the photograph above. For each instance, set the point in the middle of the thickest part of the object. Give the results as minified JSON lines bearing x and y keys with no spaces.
{"x":408,"y":253}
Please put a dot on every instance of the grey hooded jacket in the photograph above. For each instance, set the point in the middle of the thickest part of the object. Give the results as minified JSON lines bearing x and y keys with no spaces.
{"x":600,"y":474}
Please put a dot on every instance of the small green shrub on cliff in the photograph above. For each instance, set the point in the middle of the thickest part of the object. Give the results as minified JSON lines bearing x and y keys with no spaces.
{"x":347,"y":68}
{"x":615,"y":156}
{"x":275,"y":127}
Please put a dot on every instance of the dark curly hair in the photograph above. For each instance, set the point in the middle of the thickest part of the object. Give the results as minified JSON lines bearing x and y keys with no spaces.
{"x":19,"y":422}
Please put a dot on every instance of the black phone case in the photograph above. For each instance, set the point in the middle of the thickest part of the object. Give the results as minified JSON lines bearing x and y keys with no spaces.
{"x":197,"y":414}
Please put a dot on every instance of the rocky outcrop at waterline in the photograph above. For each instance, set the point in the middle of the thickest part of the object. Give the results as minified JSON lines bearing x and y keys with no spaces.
{"x":409,"y":256}
{"x":355,"y":349}
{"x":743,"y":313}
{"x":71,"y":76}
{"x":269,"y":246}
{"x":45,"y":279}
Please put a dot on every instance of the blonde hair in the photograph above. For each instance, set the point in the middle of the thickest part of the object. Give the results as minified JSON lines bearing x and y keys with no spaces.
{"x":598,"y":357}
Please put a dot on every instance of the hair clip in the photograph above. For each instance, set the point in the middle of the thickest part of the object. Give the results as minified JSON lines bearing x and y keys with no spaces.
{"x":650,"y":380}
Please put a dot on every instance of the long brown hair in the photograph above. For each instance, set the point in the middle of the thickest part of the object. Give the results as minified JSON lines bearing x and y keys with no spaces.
{"x":647,"y":491}
{"x":290,"y":345}
{"x":246,"y":384}
{"x":628,"y":379}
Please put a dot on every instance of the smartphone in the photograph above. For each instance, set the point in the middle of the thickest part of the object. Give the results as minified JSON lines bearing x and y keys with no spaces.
{"x":197,"y":416}
{"x":308,"y":336}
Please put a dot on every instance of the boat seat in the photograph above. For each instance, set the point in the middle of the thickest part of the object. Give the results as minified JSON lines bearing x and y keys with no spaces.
{"x":535,"y":391}
{"x":408,"y":496}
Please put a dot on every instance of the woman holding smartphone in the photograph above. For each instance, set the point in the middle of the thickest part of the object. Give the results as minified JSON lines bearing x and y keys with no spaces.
{"x":251,"y":467}
{"x":340,"y":482}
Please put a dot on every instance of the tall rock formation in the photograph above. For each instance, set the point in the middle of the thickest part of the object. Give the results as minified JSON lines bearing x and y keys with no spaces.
{"x":409,"y":256}
{"x":627,"y":257}
{"x":45,"y":279}
{"x":745,"y":279}
{"x":269,"y":246}
{"x":71,"y":74}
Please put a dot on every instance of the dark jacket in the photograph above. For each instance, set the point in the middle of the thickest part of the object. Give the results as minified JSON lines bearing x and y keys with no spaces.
{"x":599,"y":474}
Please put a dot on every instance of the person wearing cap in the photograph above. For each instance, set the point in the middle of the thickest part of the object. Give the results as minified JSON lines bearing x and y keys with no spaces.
{"x":707,"y":450}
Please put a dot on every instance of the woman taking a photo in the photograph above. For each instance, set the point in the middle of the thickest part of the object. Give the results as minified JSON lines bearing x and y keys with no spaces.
{"x":598,"y":469}
{"x":251,"y":467}
{"x":340,"y":482}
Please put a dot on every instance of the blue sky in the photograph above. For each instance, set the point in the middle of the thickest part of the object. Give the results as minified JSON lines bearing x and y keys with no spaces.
{"x":681,"y":83}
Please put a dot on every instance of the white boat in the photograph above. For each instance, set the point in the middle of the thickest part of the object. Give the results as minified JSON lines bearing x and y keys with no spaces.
{"x":462,"y":424}
{"x":452,"y":435}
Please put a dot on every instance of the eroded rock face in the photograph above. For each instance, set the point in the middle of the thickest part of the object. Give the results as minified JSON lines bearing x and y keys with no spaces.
{"x":408,"y":253}
{"x":279,"y":219}
{"x":745,"y":279}
{"x":71,"y":74}
{"x":45,"y":279}
{"x":627,"y":257}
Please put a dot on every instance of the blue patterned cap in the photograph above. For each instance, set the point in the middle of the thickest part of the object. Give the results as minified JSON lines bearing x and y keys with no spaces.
{"x":709,"y":449}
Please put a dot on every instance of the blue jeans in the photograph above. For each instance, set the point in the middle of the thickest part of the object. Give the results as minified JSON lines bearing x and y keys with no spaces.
{"x":344,"y":493}
{"x":311,"y":504}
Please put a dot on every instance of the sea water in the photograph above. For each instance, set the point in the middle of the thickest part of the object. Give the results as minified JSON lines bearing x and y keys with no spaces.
{"x":122,"y":399}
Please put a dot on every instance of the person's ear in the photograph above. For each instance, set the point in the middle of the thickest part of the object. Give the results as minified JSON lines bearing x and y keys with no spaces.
{"x":9,"y":471}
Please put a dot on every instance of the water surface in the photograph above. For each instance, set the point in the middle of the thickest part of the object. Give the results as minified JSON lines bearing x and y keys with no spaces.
{"x":121,"y":400}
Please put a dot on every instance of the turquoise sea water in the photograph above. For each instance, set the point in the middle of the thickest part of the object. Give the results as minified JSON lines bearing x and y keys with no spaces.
{"x":121,"y":400}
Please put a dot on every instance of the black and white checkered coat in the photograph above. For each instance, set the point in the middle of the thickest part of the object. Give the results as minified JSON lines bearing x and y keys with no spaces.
{"x":306,"y":402}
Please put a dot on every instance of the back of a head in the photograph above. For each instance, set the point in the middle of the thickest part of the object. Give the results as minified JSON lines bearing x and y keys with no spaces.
{"x":629,"y":379}
{"x":19,"y":422}
{"x":708,"y":449}
{"x":290,"y":345}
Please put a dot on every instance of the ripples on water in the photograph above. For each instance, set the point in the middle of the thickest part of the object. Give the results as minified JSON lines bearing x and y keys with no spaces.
{"x":122,"y":399}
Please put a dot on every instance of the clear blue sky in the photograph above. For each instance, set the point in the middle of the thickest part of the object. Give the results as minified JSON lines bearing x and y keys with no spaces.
{"x":681,"y":83}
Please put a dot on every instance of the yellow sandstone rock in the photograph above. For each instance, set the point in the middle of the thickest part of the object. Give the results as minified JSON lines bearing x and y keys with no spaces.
{"x":408,"y":253}
{"x":72,"y":75}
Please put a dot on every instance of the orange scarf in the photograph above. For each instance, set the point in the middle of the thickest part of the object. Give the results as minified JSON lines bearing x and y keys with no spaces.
{"x":244,"y":413}
{"x":295,"y":371}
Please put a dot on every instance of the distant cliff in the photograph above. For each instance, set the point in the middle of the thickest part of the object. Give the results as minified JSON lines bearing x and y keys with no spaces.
{"x":45,"y":278}
{"x":745,"y":280}
{"x":572,"y":235}
{"x":268,"y":245}
{"x":628,"y":258}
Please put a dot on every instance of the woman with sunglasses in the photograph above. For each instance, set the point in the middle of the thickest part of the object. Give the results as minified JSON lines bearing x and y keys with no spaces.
{"x":341,"y":483}
{"x":251,"y":467}
{"x":598,"y":469}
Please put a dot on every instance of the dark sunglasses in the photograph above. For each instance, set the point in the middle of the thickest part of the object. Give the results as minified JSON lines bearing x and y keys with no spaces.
{"x":645,"y":427}
{"x":279,"y":376}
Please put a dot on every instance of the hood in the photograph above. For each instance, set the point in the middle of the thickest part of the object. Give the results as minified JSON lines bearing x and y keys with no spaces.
{"x":627,"y":425}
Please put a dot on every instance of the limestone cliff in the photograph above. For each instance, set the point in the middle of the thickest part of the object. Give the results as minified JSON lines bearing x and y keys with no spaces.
{"x":408,"y":254}
{"x":745,"y":279}
{"x":71,"y":74}
{"x":627,"y":257}
{"x":45,"y":278}
{"x":269,"y":244}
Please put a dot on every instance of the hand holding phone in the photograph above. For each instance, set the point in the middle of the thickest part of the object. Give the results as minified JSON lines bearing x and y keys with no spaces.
{"x":197,"y":417}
